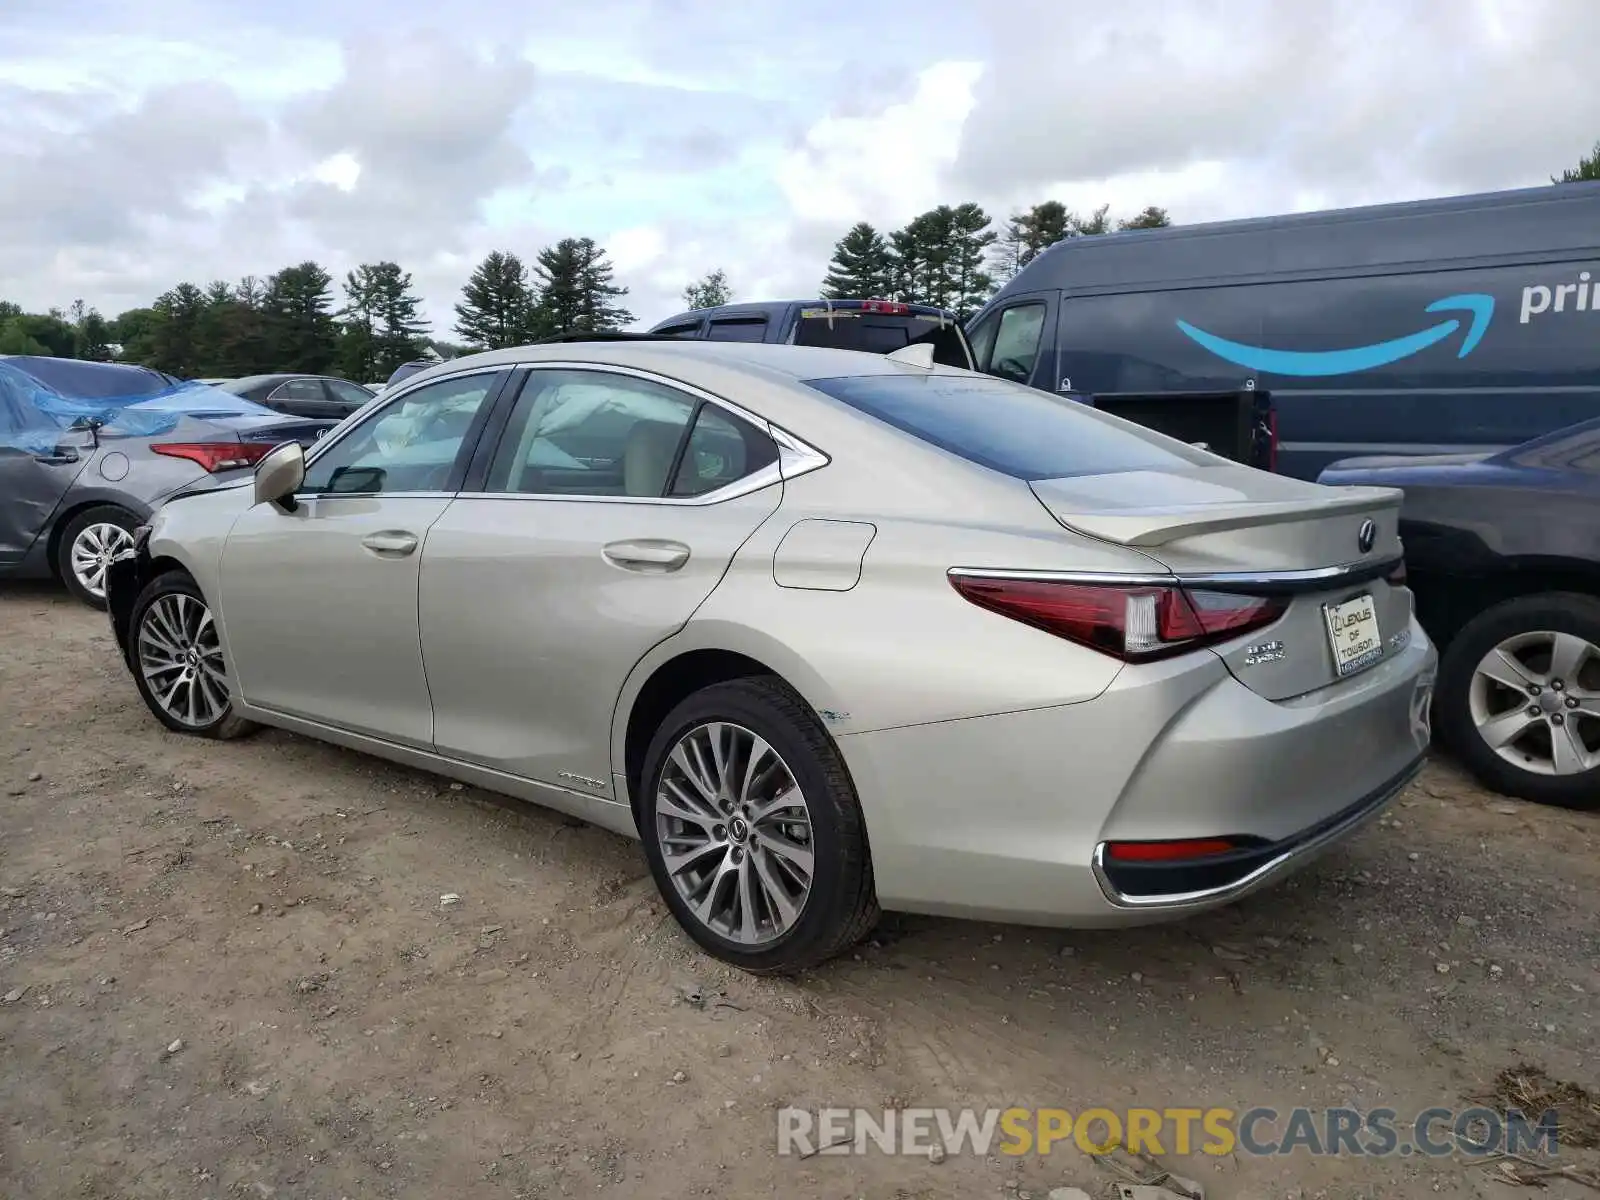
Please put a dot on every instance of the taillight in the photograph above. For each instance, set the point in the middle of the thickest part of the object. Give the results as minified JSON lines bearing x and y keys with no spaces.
{"x":1136,"y":623}
{"x":885,"y":306}
{"x":217,"y":456}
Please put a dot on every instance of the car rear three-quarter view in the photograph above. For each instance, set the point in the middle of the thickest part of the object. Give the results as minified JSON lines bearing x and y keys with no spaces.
{"x":828,"y":631}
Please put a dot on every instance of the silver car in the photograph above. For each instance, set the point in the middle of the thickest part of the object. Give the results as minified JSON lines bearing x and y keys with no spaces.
{"x":826,"y":630}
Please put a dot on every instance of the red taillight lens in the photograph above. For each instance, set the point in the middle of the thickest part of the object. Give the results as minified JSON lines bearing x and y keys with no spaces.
{"x":885,"y":306}
{"x":217,"y":456}
{"x":1134,"y":623}
{"x":1168,"y":851}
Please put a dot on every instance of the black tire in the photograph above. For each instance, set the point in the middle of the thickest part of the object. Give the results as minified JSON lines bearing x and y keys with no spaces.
{"x":1558,"y":612}
{"x":100,"y":514}
{"x":842,"y":905}
{"x":225,"y":724}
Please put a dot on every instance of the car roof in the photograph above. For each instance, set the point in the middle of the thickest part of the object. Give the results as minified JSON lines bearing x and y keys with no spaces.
{"x":1540,"y":220}
{"x":89,"y":380}
{"x":793,"y":363}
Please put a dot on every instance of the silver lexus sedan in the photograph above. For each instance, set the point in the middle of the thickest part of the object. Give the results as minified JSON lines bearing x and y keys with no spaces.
{"x":825,"y":630}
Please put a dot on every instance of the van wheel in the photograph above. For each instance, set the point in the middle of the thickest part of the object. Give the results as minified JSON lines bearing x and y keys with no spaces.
{"x":86,"y":547}
{"x":177,"y":660}
{"x":753,"y":831}
{"x":1519,"y":698}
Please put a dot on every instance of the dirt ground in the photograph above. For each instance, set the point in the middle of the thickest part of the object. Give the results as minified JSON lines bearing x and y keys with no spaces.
{"x":227,"y":972}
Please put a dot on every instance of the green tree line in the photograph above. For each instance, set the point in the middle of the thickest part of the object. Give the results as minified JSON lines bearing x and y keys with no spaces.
{"x":951,"y":256}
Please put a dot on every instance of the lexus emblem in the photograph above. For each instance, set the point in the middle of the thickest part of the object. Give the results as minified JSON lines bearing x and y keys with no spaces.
{"x":1368,"y":535}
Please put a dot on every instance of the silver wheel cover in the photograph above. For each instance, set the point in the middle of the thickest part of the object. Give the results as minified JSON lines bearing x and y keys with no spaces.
{"x":91,"y":553}
{"x":1535,"y":701}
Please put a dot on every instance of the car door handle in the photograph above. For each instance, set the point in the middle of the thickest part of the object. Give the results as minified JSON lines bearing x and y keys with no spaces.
{"x":56,"y":460}
{"x":391,"y":541}
{"x":647,"y":554}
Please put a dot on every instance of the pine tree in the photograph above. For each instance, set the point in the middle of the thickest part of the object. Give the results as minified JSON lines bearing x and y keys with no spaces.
{"x":91,"y":333}
{"x":1588,"y":168}
{"x":862,"y":267}
{"x":381,"y":321}
{"x":496,"y":308}
{"x":1098,"y":222}
{"x":302,"y":334}
{"x":175,"y":335}
{"x":939,"y":258}
{"x":1153,"y":217}
{"x":1027,"y":233}
{"x":576,"y":292}
{"x":710,"y":292}
{"x":970,"y":285}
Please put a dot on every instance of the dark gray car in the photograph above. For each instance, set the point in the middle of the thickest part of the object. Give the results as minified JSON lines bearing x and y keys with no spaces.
{"x":321,"y":396}
{"x":89,"y":450}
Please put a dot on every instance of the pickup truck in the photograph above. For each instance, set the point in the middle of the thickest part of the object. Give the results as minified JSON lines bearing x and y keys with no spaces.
{"x":1237,"y":425}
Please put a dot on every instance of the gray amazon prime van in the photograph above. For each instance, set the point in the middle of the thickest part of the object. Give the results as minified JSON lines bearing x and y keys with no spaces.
{"x":1464,"y":324}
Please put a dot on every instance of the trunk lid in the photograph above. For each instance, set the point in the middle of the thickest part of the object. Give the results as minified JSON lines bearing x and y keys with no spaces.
{"x":1228,"y":521}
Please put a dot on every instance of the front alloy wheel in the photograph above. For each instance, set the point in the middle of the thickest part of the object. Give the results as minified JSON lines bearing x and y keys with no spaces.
{"x":177,"y":659}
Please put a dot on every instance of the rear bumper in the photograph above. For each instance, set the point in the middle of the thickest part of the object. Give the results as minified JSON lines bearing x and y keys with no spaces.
{"x":1203,"y":883}
{"x":1006,"y":817}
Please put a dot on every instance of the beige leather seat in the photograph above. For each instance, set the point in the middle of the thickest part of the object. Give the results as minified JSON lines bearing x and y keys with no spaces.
{"x":647,"y":457}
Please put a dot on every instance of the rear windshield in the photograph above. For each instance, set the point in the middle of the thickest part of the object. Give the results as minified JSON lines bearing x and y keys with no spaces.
{"x":1016,"y":430}
{"x":883,"y":333}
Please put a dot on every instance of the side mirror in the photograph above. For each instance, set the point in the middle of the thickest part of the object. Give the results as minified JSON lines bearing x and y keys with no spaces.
{"x":279,"y":474}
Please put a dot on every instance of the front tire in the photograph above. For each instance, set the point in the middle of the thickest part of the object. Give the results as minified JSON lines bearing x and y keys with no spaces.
{"x":1519,"y":698}
{"x":177,"y":660}
{"x":753,"y":831}
{"x":87,"y":545}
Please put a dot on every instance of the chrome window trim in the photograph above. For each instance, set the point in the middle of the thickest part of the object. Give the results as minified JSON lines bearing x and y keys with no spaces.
{"x":796,"y":456}
{"x":376,"y":405}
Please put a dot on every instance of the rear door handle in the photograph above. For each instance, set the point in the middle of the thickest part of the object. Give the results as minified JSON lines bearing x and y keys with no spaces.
{"x":56,"y":460}
{"x":391,"y":541}
{"x":647,"y":554}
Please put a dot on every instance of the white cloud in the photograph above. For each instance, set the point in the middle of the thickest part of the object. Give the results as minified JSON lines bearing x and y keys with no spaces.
{"x":886,"y":166}
{"x":214,"y":138}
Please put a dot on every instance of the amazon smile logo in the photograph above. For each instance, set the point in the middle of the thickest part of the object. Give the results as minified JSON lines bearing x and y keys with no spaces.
{"x":1356,"y":358}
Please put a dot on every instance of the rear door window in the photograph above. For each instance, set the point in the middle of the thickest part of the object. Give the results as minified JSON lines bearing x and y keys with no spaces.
{"x":738,"y":329}
{"x":883,"y":333}
{"x":1007,"y":427}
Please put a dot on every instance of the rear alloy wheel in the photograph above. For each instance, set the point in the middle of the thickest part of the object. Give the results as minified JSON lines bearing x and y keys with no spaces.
{"x":753,"y":830}
{"x":1520,"y":698}
{"x":88,"y":544}
{"x":177,"y":660}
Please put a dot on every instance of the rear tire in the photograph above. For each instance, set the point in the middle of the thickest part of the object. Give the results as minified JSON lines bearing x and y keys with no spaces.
{"x":749,"y":843}
{"x":86,"y":547}
{"x":1541,"y":642}
{"x":177,"y":660}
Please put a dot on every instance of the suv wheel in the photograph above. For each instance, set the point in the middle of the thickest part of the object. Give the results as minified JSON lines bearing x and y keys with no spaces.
{"x":1519,"y":698}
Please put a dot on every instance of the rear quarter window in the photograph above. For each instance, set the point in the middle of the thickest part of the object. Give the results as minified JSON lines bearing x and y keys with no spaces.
{"x":1007,"y":427}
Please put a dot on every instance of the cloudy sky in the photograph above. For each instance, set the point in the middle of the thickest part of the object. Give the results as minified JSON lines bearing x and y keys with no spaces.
{"x":199,"y":139}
